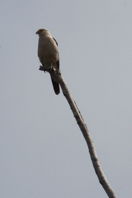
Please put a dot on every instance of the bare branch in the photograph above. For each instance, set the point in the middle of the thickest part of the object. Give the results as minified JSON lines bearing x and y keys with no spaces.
{"x":83,"y":127}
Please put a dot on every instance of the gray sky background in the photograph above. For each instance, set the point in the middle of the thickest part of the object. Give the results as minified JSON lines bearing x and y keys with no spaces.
{"x":42,"y":151}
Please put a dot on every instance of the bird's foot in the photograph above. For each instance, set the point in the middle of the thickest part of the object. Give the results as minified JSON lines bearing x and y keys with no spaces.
{"x":50,"y":69}
{"x":42,"y":68}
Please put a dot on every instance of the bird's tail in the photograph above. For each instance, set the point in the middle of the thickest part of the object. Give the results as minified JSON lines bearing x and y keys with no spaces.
{"x":55,"y":85}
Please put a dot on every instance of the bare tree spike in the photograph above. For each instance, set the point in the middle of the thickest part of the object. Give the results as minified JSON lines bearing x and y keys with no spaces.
{"x":83,"y":127}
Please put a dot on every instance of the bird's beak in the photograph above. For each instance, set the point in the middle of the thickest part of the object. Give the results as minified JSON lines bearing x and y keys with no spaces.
{"x":37,"y":32}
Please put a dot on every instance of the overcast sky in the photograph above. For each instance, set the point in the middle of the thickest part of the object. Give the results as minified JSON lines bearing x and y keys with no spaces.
{"x":42,"y":151}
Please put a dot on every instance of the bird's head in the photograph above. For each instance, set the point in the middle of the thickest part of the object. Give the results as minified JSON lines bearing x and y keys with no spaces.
{"x":41,"y":31}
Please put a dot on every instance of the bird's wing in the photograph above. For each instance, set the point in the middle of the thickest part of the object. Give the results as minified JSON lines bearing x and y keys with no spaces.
{"x":57,"y":63}
{"x":55,"y":41}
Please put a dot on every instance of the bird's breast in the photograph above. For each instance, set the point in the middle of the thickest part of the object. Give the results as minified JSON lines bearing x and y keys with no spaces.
{"x":47,"y":51}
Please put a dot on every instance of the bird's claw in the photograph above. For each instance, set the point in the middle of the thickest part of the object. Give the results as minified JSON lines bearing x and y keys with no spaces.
{"x":50,"y":69}
{"x":42,"y":68}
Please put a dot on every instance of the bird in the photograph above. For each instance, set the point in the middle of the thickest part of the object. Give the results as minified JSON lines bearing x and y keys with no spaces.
{"x":48,"y":54}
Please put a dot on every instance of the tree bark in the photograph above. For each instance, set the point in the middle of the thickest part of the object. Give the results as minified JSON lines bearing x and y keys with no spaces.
{"x":83,"y":127}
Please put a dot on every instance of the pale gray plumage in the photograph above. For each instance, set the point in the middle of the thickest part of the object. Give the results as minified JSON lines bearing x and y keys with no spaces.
{"x":48,"y":54}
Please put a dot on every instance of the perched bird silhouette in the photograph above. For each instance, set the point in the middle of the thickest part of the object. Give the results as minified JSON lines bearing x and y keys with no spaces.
{"x":48,"y":54}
